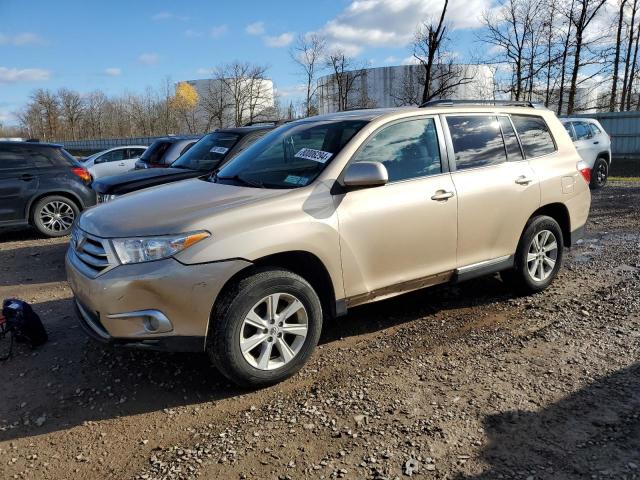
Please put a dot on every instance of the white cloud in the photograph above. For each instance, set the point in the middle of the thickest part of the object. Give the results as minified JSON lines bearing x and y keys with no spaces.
{"x":218,"y":31}
{"x":168,"y":16}
{"x":193,"y":33}
{"x":410,"y":60}
{"x":390,"y":59}
{"x":204,"y":71}
{"x":281,"y":40}
{"x":256,"y":28}
{"x":20,"y":39}
{"x":113,"y":71}
{"x":15,"y":75}
{"x":292,"y":91}
{"x":149,"y":58}
{"x":392,"y":23}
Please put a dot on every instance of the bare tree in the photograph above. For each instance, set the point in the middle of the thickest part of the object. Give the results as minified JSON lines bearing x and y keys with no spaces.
{"x":241,"y":83}
{"x":616,"y":61}
{"x":345,"y":75}
{"x":308,"y":53}
{"x":72,"y":109}
{"x":440,"y":75}
{"x":215,"y":105}
{"x":584,"y":15}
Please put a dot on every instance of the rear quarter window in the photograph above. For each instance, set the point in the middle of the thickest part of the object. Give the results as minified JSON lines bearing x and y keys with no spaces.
{"x":534,"y":134}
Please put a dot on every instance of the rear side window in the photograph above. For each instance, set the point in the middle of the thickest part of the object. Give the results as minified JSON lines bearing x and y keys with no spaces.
{"x":477,"y":141}
{"x":583,"y":132}
{"x":594,"y":129}
{"x":534,"y":134}
{"x":407,"y":149}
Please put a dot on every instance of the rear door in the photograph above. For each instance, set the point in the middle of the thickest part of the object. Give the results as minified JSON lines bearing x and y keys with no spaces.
{"x":111,"y":163}
{"x":497,"y":189}
{"x":18,"y":182}
{"x":586,"y":145}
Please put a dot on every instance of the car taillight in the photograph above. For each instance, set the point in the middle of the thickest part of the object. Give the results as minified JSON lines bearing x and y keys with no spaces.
{"x":82,"y":173}
{"x":584,"y":171}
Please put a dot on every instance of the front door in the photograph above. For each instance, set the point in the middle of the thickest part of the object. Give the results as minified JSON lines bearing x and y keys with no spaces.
{"x":400,"y":236}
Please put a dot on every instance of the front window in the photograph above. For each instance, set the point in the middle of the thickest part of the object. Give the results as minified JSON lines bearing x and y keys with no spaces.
{"x":155,"y":152}
{"x":208,"y":152}
{"x":291,"y":156}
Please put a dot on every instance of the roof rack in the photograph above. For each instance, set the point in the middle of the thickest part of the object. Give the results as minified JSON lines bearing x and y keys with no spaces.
{"x":502,"y":103}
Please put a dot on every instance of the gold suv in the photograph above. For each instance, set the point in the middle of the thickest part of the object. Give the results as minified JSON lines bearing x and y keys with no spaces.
{"x":323,"y":214}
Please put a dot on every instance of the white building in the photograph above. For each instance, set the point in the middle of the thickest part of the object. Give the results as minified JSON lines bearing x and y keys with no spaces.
{"x":258,"y":97}
{"x":402,"y":85}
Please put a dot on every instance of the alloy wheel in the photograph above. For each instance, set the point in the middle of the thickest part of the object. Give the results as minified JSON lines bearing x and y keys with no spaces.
{"x":274,"y":331}
{"x":57,"y":216}
{"x":542,"y":255}
{"x":601,"y":173}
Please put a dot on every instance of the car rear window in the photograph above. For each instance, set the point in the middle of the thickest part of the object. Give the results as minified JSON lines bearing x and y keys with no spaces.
{"x":155,"y":152}
{"x":534,"y":134}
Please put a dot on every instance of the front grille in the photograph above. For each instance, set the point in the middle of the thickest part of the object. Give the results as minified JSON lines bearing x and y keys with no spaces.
{"x":91,"y":251}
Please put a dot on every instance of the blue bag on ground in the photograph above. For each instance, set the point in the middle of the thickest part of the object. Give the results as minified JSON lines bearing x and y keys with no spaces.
{"x":27,"y":323}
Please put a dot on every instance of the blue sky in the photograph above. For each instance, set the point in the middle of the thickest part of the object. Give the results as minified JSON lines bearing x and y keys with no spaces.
{"x":121,"y":45}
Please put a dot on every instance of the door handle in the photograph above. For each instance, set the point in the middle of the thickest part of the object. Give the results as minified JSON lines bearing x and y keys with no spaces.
{"x":26,"y":177}
{"x":524,"y":180}
{"x":121,"y":164}
{"x":441,"y":195}
{"x":596,"y":143}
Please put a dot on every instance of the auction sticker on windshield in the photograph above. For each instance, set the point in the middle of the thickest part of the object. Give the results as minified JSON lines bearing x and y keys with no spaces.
{"x":220,"y":150}
{"x":315,"y":155}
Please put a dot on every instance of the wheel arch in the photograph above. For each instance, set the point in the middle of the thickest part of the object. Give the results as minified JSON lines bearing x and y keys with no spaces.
{"x":606,"y":155}
{"x":300,"y":262}
{"x":560,"y":213}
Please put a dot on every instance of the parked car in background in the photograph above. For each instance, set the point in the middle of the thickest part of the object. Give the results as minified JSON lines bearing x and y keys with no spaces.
{"x":113,"y":161}
{"x":209,"y":153}
{"x":164,"y":151}
{"x":43,"y":185}
{"x":593,"y":145}
{"x":324,"y":214}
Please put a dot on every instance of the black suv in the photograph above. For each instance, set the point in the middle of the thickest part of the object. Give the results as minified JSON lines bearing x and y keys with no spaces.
{"x":208,"y":154}
{"x":43,"y":185}
{"x":164,"y":151}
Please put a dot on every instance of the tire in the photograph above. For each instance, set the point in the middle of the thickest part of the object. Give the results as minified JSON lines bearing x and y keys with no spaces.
{"x":527,"y":277}
{"x":599,"y":174}
{"x":6,"y":342}
{"x":244,"y":307}
{"x":44,"y":211}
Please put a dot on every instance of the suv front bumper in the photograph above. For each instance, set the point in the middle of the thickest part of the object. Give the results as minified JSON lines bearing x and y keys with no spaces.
{"x":163,"y":305}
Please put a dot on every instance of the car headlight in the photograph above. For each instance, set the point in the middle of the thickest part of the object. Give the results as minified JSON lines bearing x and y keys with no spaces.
{"x":102,"y":198}
{"x":147,"y":249}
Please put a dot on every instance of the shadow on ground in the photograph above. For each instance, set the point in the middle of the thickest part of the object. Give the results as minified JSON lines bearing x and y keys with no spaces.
{"x":593,"y":433}
{"x":71,"y":380}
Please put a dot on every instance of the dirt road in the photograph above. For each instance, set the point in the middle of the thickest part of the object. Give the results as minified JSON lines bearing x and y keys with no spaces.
{"x":465,"y":382}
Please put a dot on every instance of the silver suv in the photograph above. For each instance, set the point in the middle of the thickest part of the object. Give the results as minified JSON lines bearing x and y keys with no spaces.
{"x":324,"y":214}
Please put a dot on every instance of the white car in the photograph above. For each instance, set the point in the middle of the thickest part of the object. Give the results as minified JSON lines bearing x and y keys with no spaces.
{"x":593,"y":145}
{"x":114,"y":161}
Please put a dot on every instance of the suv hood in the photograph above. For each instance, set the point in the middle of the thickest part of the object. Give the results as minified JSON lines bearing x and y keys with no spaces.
{"x":168,"y":209}
{"x":139,"y":179}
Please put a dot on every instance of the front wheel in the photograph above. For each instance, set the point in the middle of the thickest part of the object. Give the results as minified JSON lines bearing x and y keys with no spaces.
{"x":599,"y":174}
{"x":264,"y":328}
{"x":538,"y":257}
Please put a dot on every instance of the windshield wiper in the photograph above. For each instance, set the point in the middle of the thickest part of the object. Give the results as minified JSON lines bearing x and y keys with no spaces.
{"x":240,"y":179}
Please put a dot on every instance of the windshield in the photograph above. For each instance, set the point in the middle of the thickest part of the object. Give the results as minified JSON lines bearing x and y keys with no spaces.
{"x":155,"y":152}
{"x":291,"y":156}
{"x":208,"y":152}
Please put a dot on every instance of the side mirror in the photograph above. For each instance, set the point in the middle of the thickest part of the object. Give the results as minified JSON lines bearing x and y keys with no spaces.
{"x":365,"y":174}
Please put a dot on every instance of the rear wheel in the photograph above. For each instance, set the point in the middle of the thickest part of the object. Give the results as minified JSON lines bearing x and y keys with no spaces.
{"x":264,"y":328}
{"x":538,"y":257}
{"x":599,"y":174}
{"x":53,"y":216}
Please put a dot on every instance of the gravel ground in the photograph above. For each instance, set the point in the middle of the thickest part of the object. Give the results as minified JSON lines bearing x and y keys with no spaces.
{"x":457,"y":382}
